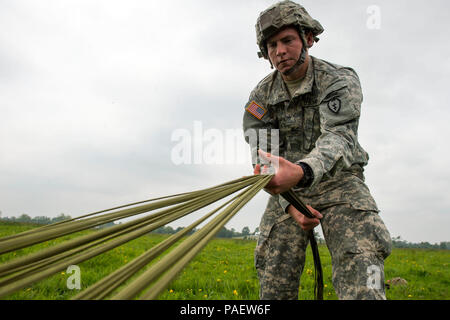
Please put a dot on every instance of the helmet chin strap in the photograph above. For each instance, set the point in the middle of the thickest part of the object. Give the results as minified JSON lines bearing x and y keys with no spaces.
{"x":302,"y":57}
{"x":297,"y":64}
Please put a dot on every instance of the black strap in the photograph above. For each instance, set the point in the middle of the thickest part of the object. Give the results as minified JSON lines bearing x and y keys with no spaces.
{"x":318,"y":274}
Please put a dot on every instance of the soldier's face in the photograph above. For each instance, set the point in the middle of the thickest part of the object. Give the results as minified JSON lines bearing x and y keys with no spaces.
{"x":284,"y":49}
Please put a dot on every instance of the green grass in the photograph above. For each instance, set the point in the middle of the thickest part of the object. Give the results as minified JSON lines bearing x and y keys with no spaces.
{"x":225,"y":270}
{"x":425,"y":270}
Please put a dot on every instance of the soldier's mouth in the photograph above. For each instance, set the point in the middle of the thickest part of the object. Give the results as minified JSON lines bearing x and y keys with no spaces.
{"x":282,"y":62}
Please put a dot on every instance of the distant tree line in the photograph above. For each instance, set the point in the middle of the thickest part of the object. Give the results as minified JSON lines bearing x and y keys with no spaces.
{"x":24,"y":218}
{"x":170,"y":230}
{"x":397,"y":242}
{"x":223,"y":233}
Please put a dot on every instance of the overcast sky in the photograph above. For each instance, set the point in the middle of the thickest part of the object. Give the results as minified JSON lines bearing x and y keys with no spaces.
{"x":91,"y":93}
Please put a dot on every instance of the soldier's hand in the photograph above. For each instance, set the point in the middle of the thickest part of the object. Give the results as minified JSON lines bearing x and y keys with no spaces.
{"x":287,"y":174}
{"x":304,"y":222}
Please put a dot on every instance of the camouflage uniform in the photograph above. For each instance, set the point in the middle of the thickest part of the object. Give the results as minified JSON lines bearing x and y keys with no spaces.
{"x":318,"y":126}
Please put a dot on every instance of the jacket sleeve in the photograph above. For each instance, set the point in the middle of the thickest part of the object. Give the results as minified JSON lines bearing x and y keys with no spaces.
{"x":337,"y":146}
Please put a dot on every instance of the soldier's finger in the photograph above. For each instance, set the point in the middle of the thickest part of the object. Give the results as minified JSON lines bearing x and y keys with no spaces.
{"x":311,"y":224}
{"x":308,"y":221}
{"x":315,"y":212}
{"x":264,"y":155}
{"x":270,"y":158}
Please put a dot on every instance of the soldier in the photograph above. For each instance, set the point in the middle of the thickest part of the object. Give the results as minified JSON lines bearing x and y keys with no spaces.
{"x":315,"y":106}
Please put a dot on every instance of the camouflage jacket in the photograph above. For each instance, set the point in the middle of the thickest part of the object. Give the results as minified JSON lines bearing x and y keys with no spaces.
{"x":317,"y":126}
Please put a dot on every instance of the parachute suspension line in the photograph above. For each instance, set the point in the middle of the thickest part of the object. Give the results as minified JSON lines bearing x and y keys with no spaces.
{"x":318,"y":273}
{"x":44,"y":269}
{"x":164,"y":281}
{"x":25,"y":270}
{"x":107,"y":234}
{"x":102,"y":288}
{"x":198,"y":239}
{"x":54,"y":231}
{"x":46,"y":227}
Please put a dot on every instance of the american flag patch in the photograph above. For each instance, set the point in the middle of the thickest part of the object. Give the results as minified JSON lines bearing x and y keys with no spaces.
{"x":256,"y":110}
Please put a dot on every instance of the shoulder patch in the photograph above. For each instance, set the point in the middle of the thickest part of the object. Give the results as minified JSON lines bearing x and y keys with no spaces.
{"x":256,"y":110}
{"x":334,"y":105}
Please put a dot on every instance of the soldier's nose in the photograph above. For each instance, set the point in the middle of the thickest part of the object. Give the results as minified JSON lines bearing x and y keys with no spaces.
{"x":281,"y":50}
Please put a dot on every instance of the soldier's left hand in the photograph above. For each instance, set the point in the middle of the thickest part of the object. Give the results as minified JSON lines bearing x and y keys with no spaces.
{"x":287,"y":174}
{"x":304,"y":222}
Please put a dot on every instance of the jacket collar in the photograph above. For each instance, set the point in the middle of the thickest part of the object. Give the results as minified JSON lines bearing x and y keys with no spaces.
{"x":279,"y":92}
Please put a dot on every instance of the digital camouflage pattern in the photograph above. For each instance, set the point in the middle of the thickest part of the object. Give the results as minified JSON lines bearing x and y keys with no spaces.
{"x":357,"y":240}
{"x":310,"y":115}
{"x":318,"y":125}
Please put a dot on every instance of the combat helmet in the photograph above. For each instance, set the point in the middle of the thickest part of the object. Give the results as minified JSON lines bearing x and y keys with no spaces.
{"x":280,"y":15}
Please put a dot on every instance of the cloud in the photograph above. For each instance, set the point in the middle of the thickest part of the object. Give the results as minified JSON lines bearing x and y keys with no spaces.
{"x":93,"y":90}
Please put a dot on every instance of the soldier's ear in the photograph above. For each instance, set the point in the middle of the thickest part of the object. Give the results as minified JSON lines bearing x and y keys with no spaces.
{"x":309,"y":39}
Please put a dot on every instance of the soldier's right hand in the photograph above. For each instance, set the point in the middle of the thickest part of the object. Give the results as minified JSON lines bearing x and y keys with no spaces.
{"x":287,"y":174}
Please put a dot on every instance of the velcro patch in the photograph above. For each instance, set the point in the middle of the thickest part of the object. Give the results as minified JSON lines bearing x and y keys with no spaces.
{"x":334,"y":105}
{"x":256,"y":110}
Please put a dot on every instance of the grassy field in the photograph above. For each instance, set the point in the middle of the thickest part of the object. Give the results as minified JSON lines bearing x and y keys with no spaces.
{"x":225,"y":270}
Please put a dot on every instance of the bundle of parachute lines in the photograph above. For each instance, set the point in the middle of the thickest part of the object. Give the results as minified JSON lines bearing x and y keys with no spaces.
{"x":139,"y":278}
